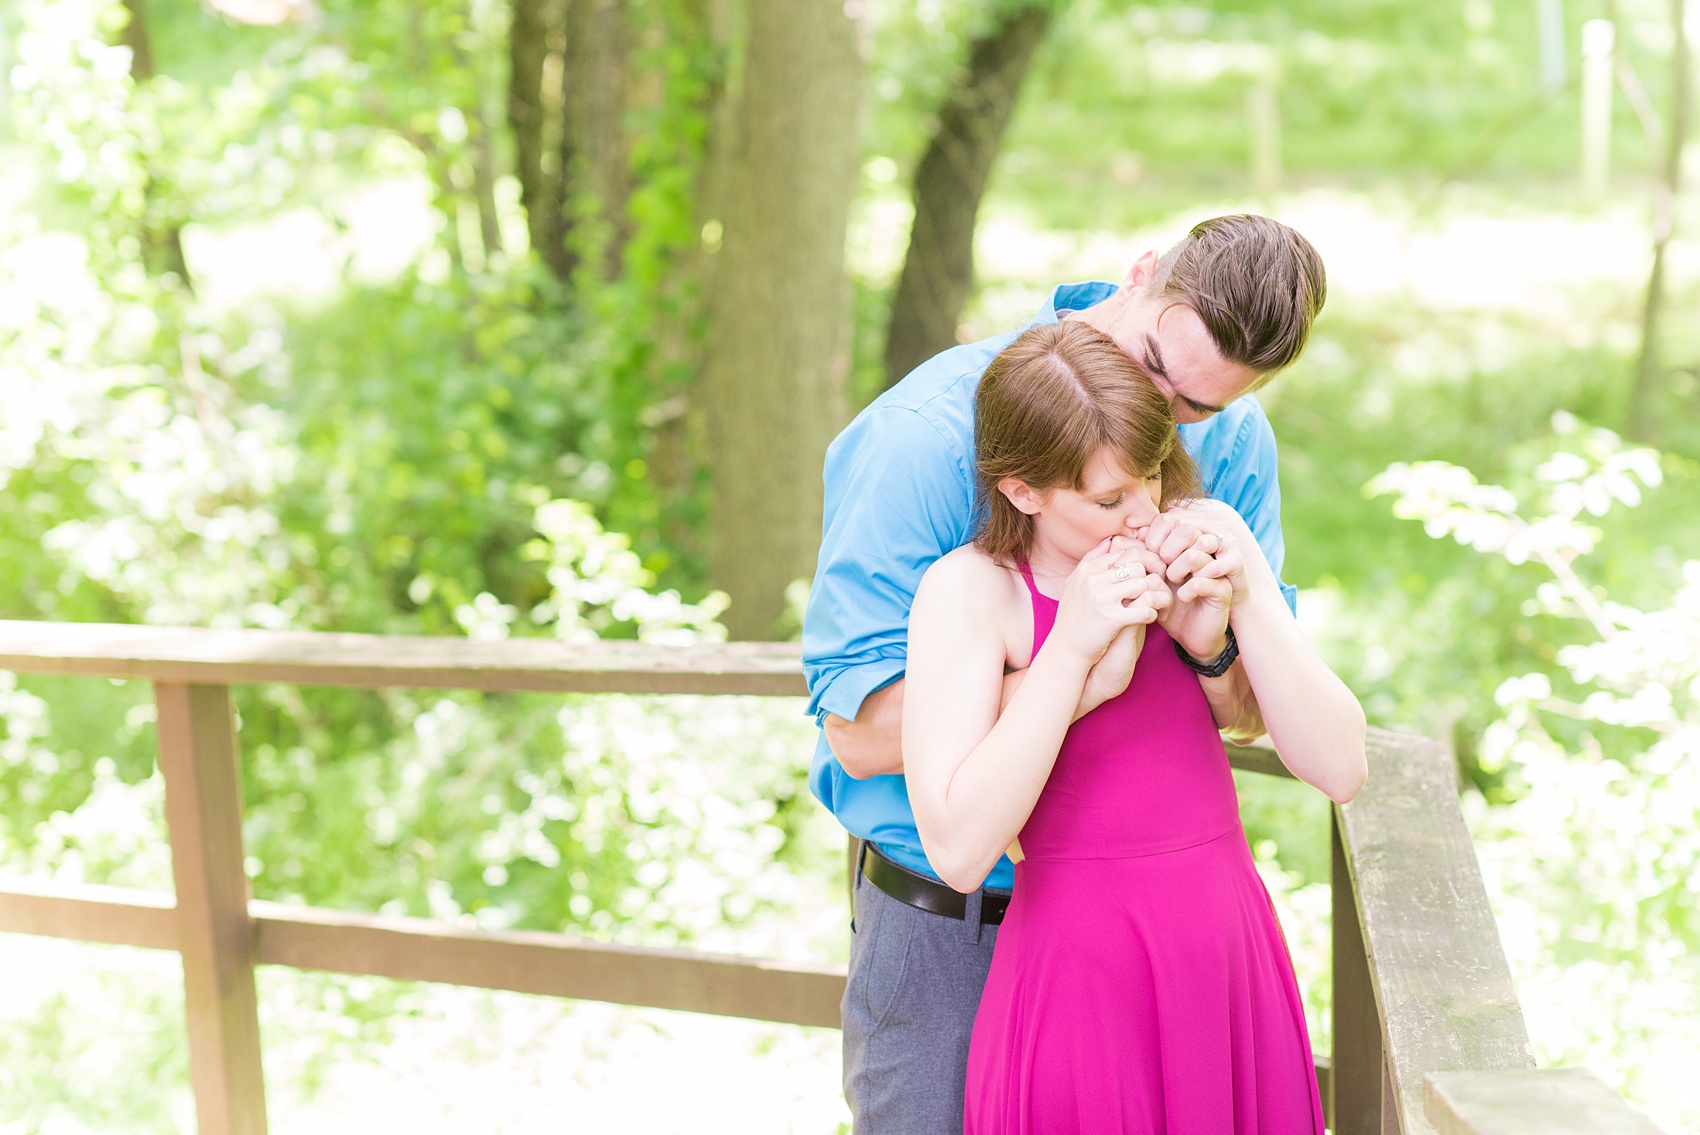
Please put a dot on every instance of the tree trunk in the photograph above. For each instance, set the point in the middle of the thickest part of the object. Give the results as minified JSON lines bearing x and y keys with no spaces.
{"x":569,"y":128}
{"x":135,"y":37}
{"x":704,"y":29}
{"x":596,"y":79}
{"x":484,"y":188}
{"x":938,"y":268}
{"x":1645,"y":400}
{"x":483,"y":158}
{"x":534,"y":23}
{"x":777,"y":360}
{"x":162,"y":240}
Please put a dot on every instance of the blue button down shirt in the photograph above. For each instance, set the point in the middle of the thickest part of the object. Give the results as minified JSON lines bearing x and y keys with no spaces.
{"x":900,"y":493}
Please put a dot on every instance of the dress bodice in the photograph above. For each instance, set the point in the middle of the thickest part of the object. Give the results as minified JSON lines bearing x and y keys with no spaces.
{"x":1143,"y":773}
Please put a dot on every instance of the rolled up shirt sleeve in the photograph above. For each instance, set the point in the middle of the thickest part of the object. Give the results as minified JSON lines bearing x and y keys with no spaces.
{"x":898,"y":495}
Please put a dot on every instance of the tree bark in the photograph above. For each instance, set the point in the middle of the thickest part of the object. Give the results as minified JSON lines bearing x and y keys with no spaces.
{"x":569,"y":128}
{"x":135,"y":37}
{"x":705,"y":29}
{"x":1645,"y":399}
{"x":595,"y":82}
{"x":938,"y":268}
{"x":484,"y":188}
{"x":777,"y":357}
{"x":162,"y":241}
{"x":533,"y":24}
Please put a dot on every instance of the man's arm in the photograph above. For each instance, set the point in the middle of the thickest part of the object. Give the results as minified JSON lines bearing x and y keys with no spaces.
{"x":872,"y":745}
{"x":897,"y":498}
{"x":1233,"y":705}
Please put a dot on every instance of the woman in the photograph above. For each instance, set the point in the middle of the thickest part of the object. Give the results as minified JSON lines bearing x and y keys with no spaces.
{"x":1140,"y":982}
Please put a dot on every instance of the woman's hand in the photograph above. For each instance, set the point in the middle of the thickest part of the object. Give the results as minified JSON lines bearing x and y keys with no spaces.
{"x":1110,"y":591}
{"x":1110,"y":675}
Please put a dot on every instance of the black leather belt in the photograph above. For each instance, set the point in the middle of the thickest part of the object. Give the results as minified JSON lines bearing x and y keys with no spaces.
{"x":925,"y":893}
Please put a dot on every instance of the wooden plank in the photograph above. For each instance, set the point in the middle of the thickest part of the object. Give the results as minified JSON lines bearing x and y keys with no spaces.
{"x":1358,"y":1062}
{"x":191,"y":655}
{"x":88,"y":912}
{"x":1258,"y":756}
{"x":1441,"y":983}
{"x":1548,"y":1101}
{"x":1325,"y":1087}
{"x":412,"y":949}
{"x":203,"y":810}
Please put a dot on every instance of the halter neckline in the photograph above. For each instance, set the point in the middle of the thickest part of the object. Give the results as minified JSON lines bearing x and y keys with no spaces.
{"x":1032,"y":587}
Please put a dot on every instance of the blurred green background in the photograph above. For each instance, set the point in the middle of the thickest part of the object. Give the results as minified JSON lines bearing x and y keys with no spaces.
{"x":412,"y":318}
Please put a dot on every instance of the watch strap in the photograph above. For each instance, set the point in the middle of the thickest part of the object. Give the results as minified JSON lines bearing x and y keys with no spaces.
{"x":1211,"y":669}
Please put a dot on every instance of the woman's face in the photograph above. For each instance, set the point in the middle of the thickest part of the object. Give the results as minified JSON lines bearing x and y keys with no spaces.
{"x":1112,"y":502}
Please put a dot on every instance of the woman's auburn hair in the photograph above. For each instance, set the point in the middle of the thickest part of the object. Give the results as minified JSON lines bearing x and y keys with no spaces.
{"x":1047,"y":404}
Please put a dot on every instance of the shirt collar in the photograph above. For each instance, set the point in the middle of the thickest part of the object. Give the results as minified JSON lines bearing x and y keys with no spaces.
{"x":1072,"y":297}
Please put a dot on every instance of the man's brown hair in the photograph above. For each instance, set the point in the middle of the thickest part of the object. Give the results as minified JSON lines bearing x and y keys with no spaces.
{"x":1255,"y":283}
{"x":1047,"y":404}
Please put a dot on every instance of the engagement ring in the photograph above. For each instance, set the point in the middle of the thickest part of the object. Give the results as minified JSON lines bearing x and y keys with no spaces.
{"x":1121,"y":572}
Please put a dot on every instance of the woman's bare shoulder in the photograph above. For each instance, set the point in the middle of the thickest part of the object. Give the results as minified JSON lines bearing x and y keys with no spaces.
{"x":968,"y":575}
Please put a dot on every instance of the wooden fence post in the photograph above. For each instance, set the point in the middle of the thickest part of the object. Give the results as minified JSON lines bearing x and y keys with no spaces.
{"x":203,"y":809}
{"x":1358,"y":1076}
{"x":1549,"y":27}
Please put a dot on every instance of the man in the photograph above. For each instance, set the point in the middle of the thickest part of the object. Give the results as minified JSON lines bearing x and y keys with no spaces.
{"x":1210,"y":320}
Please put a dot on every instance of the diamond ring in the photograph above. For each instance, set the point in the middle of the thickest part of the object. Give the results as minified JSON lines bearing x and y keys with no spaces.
{"x":1121,"y":573}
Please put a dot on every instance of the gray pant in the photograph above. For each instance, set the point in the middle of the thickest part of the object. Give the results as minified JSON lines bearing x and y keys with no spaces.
{"x":915,"y":983}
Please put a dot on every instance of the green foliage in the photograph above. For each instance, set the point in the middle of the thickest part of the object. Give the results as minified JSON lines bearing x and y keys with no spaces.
{"x":1593,"y":863}
{"x":1145,"y":105}
{"x":451,"y":442}
{"x":103,"y":1054}
{"x":1425,"y":630}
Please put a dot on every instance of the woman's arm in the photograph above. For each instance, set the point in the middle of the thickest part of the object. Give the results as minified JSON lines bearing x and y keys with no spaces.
{"x":872,"y":745}
{"x":974,"y":776}
{"x":1315,"y":722}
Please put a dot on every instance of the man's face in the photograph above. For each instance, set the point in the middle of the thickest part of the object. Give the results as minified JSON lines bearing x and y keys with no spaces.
{"x":1170,"y":341}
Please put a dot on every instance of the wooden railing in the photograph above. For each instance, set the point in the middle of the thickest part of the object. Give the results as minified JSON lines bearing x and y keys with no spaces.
{"x":1421,"y":986}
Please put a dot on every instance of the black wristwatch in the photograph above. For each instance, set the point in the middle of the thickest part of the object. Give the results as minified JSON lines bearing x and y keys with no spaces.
{"x":1211,"y":669}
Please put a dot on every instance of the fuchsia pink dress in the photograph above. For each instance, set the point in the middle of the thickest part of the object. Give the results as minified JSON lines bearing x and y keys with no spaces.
{"x":1140,"y":984}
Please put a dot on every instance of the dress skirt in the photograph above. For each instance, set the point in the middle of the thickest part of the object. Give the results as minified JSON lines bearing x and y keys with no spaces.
{"x":1143,"y":995}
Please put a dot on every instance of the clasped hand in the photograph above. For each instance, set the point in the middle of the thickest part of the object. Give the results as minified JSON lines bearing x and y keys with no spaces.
{"x":1183,"y":571}
{"x":1113,"y":594}
{"x":1199,"y":546}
